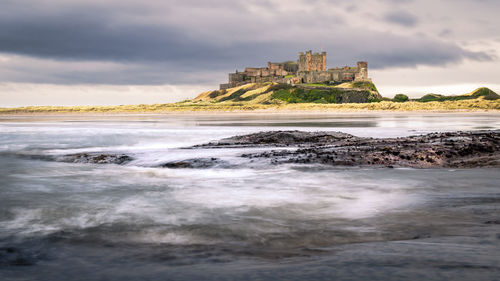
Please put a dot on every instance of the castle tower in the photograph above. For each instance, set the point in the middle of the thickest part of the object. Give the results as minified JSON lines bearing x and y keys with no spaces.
{"x":302,"y":62}
{"x":362,"y":73}
{"x":312,"y":61}
{"x":308,"y":60}
{"x":323,"y":55}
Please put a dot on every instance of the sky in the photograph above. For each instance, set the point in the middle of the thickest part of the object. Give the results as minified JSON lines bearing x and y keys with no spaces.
{"x":110,"y":52}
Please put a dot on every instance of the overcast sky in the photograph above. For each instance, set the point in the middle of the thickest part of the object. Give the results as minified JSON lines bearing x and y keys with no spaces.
{"x":61,"y":52}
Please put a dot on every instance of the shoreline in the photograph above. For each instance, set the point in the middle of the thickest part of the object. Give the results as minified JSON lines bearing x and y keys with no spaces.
{"x":250,"y":113}
{"x":254,"y":112}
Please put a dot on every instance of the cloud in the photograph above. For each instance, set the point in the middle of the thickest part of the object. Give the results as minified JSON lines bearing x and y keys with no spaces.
{"x":445,"y":32}
{"x":188,"y":41}
{"x":402,"y":18}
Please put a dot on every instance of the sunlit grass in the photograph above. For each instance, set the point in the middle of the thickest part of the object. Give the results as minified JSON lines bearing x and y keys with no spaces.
{"x":187,"y":106}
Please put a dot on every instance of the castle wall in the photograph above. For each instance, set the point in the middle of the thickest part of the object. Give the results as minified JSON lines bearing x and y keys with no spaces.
{"x":337,"y":75}
{"x":236,"y":77}
{"x":275,"y":66}
{"x":310,"y":68}
{"x":315,"y":76}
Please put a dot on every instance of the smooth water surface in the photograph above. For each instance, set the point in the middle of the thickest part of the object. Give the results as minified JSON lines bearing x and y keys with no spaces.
{"x":253,"y":220}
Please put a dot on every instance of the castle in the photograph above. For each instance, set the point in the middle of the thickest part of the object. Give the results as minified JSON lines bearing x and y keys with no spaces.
{"x":309,"y":68}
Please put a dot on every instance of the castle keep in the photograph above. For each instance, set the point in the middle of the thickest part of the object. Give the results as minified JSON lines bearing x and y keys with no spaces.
{"x":309,"y":68}
{"x":312,"y":62}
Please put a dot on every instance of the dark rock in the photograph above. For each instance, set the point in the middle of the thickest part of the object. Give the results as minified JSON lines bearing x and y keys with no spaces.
{"x":96,"y":158}
{"x":282,"y":138}
{"x":421,"y":236}
{"x":196,"y":163}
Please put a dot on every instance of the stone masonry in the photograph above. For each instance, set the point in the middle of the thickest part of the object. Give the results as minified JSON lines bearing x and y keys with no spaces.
{"x":309,"y":68}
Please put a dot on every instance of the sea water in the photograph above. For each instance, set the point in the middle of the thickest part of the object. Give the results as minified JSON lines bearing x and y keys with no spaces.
{"x":246,"y":221}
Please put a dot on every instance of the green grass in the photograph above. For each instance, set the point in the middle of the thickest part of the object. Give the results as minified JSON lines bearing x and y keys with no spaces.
{"x":436,"y":97}
{"x":319,"y":85}
{"x":298,"y":95}
{"x":331,"y":95}
{"x":367,"y":85}
{"x":277,"y":87}
{"x":485,"y":93}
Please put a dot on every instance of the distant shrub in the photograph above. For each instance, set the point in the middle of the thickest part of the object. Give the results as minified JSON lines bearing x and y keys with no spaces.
{"x":400,"y":98}
{"x":430,"y":97}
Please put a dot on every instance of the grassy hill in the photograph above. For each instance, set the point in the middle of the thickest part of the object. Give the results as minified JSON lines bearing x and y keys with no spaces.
{"x":271,"y":93}
{"x":481,"y":93}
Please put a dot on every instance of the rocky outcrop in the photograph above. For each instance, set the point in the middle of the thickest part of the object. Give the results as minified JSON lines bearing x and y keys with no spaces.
{"x":451,"y":149}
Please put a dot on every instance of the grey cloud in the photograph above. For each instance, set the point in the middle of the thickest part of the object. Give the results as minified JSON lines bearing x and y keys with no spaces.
{"x":351,"y":8}
{"x":446,"y":32}
{"x":401,"y":18}
{"x":155,"y":45}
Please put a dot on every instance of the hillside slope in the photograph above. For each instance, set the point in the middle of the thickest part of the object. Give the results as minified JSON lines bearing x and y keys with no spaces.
{"x":272,"y":93}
